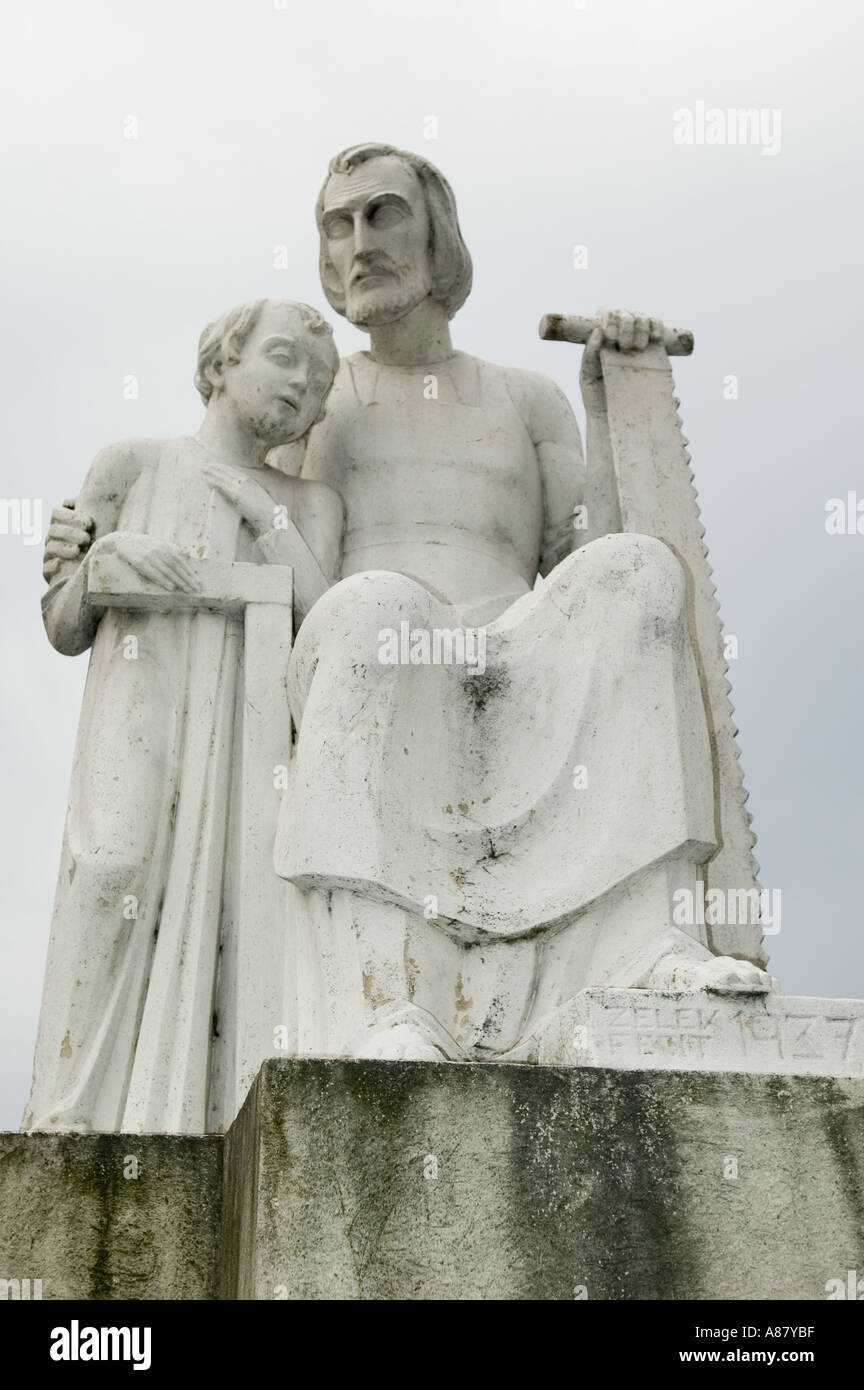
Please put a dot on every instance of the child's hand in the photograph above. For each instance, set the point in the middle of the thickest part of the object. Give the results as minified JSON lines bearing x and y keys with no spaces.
{"x":159,"y":561}
{"x":252,"y":501}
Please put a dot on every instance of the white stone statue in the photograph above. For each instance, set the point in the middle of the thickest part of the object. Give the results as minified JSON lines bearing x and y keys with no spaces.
{"x":497,"y":788}
{"x":467,"y":795}
{"x":171,"y":564}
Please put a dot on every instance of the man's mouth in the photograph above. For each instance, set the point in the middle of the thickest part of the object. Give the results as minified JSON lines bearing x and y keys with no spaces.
{"x":369,"y":273}
{"x":290,"y":401}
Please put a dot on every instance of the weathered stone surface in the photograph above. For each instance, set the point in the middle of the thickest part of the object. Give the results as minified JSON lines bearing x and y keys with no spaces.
{"x":70,"y":1217}
{"x":394,"y":1180}
{"x":647,"y":1029}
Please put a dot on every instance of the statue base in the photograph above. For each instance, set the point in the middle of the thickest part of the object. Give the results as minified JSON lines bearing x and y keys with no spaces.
{"x":110,"y":1216}
{"x":425,"y":1180}
{"x":344,"y":1179}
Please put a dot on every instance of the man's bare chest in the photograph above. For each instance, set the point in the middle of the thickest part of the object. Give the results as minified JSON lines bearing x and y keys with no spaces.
{"x":435,"y":448}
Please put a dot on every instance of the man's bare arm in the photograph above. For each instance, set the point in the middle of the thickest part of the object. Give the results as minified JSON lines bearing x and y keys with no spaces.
{"x":552,"y":426}
{"x":75,"y":531}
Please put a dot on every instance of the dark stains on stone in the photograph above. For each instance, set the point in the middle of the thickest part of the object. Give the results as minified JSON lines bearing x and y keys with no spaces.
{"x":595,"y":1180}
{"x":480,"y":689}
{"x":844,"y":1132}
{"x":466,"y":1180}
{"x":91,"y":1232}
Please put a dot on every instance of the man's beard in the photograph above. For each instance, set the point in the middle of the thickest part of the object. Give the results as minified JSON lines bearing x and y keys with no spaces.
{"x":386,"y":301}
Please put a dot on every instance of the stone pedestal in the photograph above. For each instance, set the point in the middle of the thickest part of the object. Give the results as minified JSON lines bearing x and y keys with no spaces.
{"x":109,"y":1216}
{"x":402,"y":1180}
{"x":421,"y":1180}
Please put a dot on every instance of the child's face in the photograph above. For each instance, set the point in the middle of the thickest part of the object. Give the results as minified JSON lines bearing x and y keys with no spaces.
{"x":280,"y":382}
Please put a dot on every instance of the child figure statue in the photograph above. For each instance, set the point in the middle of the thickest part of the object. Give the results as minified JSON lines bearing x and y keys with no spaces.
{"x":167,"y":853}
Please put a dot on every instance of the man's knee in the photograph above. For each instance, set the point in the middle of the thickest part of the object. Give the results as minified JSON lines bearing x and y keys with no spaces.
{"x":354,"y":626}
{"x":624,"y":577}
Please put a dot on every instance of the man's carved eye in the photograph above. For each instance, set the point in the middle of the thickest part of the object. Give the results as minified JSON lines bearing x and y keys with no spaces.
{"x":338,"y":227}
{"x":386,"y":215}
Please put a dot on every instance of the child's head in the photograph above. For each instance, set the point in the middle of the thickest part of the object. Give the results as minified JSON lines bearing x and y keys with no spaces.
{"x":272,"y":362}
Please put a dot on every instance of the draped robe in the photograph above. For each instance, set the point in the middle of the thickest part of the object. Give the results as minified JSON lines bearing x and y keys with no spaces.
{"x":129,"y":1035}
{"x":448,"y":830}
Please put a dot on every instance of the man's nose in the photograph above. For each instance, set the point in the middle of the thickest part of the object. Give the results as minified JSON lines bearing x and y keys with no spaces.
{"x":365,"y":238}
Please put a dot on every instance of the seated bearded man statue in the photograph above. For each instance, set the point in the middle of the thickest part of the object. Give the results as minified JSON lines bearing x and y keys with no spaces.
{"x":498,"y":785}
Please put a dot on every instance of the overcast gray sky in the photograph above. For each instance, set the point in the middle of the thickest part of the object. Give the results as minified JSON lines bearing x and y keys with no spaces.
{"x":555,"y":127}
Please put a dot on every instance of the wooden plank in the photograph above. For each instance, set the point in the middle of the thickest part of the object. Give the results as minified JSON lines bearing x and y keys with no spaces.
{"x":222,"y":586}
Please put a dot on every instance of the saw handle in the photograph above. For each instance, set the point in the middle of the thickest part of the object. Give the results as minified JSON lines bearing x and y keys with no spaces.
{"x":572,"y":328}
